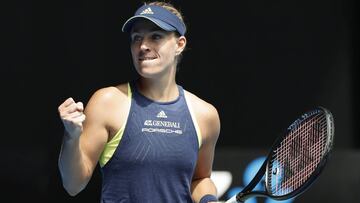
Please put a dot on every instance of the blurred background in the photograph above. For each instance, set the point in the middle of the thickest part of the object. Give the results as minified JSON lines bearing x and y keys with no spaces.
{"x":260,"y":63}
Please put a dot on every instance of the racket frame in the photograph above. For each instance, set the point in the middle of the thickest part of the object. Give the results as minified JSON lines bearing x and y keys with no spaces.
{"x":247,"y":192}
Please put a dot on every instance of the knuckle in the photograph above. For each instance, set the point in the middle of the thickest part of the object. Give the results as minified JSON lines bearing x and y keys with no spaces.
{"x":62,"y":115}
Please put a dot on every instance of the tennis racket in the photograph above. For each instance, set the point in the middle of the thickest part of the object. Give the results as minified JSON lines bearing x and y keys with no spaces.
{"x":296,"y":158}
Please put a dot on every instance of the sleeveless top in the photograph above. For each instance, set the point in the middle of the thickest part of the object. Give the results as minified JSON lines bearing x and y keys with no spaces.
{"x":153,"y":156}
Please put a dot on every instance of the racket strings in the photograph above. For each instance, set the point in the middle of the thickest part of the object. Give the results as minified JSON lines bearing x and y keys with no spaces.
{"x":297,"y":156}
{"x":301,"y":165}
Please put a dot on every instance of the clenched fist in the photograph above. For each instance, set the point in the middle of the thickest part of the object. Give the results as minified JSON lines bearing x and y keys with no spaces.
{"x":72,"y":116}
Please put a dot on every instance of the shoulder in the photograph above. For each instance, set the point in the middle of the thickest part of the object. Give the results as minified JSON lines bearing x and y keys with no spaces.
{"x":201,"y":106}
{"x":206,"y":115}
{"x":108,"y":97}
{"x":108,"y":94}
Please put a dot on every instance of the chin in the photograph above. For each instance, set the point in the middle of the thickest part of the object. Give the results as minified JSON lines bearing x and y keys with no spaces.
{"x":148,"y":72}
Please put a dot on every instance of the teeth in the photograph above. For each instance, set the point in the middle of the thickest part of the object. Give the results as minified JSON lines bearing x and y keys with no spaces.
{"x":147,"y":58}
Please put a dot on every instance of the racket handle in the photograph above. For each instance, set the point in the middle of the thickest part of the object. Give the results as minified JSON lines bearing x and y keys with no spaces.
{"x":232,"y":200}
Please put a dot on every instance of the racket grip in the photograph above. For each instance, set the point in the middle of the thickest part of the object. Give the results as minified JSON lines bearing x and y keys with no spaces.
{"x":232,"y":200}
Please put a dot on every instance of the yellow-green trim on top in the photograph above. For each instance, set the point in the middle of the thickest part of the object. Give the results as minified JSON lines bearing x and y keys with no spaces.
{"x":111,"y":146}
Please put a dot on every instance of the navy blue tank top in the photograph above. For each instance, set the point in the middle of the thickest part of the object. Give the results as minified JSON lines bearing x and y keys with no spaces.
{"x":156,"y":157}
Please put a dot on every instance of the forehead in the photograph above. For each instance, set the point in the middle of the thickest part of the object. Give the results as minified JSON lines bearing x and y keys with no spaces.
{"x":144,"y":25}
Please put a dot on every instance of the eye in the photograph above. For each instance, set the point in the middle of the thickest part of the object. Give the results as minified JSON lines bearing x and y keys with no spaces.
{"x":156,"y":36}
{"x":136,"y":38}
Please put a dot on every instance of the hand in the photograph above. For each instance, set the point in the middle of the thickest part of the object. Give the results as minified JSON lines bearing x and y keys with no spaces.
{"x":72,"y":116}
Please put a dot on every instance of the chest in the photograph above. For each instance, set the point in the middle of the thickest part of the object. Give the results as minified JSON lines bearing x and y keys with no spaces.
{"x":159,"y":137}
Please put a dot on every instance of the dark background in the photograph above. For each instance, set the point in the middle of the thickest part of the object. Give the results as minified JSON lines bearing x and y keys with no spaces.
{"x":260,"y":63}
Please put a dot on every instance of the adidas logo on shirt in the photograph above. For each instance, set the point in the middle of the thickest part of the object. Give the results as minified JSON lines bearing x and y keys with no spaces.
{"x":147,"y":11}
{"x":161,"y":114}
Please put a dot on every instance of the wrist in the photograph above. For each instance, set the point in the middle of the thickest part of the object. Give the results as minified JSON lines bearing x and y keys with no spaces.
{"x":69,"y":137}
{"x":208,"y":198}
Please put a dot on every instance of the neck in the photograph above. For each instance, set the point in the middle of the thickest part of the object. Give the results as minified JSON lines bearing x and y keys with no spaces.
{"x":159,"y":89}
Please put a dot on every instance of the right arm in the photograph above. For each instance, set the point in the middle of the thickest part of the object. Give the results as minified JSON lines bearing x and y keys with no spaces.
{"x":84,"y":139}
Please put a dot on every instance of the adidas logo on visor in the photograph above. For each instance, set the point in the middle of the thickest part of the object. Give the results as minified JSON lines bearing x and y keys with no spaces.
{"x":147,"y":11}
{"x":161,"y":114}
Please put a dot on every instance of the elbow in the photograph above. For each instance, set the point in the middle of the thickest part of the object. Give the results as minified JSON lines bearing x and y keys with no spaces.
{"x":72,"y":189}
{"x":73,"y":184}
{"x":73,"y":181}
{"x":72,"y":193}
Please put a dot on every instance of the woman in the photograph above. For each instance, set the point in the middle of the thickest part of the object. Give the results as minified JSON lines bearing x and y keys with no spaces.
{"x":154,"y":140}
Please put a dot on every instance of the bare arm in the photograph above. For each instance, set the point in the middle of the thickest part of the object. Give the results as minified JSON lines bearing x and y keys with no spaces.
{"x":84,"y":140}
{"x":210,"y":129}
{"x":202,"y":184}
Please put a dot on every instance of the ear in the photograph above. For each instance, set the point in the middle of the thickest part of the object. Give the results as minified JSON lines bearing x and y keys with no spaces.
{"x":181,"y":44}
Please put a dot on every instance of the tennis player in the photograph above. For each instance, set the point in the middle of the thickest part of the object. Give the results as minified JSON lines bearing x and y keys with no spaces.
{"x":154,"y":141}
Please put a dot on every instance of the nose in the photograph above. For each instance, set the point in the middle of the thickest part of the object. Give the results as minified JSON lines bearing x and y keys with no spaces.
{"x":144,"y":45}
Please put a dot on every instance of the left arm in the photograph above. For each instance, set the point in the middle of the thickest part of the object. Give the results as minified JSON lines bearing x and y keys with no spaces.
{"x":209,"y":123}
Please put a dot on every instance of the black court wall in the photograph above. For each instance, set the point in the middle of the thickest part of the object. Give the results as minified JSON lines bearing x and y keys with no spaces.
{"x":260,"y":63}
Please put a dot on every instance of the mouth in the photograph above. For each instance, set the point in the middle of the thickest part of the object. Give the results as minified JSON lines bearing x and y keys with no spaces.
{"x":147,"y":58}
